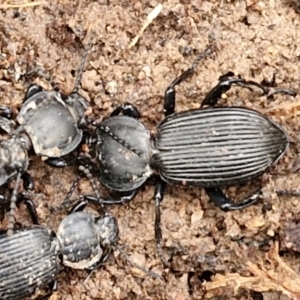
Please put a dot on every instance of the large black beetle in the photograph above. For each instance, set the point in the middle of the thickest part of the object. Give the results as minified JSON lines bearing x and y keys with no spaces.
{"x":210,"y":147}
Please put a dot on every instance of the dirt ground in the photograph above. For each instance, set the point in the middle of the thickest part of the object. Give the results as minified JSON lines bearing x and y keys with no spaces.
{"x":246,"y":254}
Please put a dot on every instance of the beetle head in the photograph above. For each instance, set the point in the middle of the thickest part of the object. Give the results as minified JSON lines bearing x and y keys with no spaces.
{"x":78,"y":106}
{"x":107,"y":230}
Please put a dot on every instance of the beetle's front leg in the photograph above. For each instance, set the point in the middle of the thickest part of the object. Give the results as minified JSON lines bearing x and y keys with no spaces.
{"x":170,"y":93}
{"x":218,"y":197}
{"x":127,"y":109}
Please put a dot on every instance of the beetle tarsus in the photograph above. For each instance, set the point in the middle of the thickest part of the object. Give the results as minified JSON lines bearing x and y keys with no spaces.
{"x":287,"y":193}
{"x":218,"y":197}
{"x":283,"y":91}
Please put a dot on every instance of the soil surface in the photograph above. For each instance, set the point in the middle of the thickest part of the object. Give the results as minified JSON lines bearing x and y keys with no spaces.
{"x":245,"y":254}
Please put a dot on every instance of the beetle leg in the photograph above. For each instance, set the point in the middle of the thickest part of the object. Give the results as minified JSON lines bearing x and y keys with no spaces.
{"x":125,"y":197}
{"x":22,"y":198}
{"x":5,"y":111}
{"x":60,"y":162}
{"x":127,"y":109}
{"x":224,"y":85}
{"x":52,"y":288}
{"x":218,"y":197}
{"x":32,"y":90}
{"x":160,"y":188}
{"x":80,"y":206}
{"x":27,"y":181}
{"x":170,"y":93}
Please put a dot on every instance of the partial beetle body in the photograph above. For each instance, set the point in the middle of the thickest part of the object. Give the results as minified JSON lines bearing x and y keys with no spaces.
{"x":217,"y":147}
{"x":214,"y":147}
{"x":50,"y":125}
{"x":28,"y":261}
{"x":30,"y":258}
{"x":83,"y":239}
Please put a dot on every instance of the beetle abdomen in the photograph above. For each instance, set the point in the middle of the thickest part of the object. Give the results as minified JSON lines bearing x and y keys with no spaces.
{"x":217,"y":147}
{"x":28,"y":260}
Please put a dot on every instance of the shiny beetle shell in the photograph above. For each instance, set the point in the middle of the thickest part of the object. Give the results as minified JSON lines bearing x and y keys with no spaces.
{"x":120,"y":168}
{"x":28,"y":260}
{"x":217,"y":146}
{"x":50,"y":125}
{"x":82,"y":238}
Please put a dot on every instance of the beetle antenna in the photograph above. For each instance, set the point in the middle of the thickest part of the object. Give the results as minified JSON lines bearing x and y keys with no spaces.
{"x":67,"y":202}
{"x":82,"y":64}
{"x":89,"y":176}
{"x":13,"y":205}
{"x":107,"y":130}
{"x":135,"y":265}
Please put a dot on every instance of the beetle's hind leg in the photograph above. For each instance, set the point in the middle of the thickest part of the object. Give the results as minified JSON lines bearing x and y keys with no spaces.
{"x":158,"y":197}
{"x":220,"y":200}
{"x":226,"y":81}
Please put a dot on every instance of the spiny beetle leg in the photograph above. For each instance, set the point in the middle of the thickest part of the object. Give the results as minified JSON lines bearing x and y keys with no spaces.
{"x":61,"y":162}
{"x":218,"y":197}
{"x":170,"y":93}
{"x":127,"y":109}
{"x":5,"y":111}
{"x":160,"y":188}
{"x":32,"y":90}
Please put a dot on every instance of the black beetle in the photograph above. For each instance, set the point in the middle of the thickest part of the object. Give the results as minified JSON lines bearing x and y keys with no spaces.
{"x":210,"y":147}
{"x":31,"y":257}
{"x":48,"y":123}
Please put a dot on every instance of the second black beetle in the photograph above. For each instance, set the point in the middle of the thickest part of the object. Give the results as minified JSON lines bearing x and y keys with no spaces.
{"x":210,"y":147}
